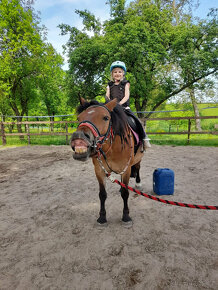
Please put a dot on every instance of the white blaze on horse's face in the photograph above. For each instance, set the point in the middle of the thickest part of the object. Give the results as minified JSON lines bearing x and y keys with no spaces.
{"x":91,"y":112}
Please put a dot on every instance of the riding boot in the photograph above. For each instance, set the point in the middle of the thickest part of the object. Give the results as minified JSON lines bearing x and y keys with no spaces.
{"x":145,"y":144}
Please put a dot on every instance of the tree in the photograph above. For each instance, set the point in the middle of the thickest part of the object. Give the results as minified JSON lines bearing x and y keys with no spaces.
{"x":179,"y":7}
{"x":155,"y":50}
{"x":196,"y":56}
{"x":4,"y":107}
{"x":20,"y":51}
{"x":30,"y":69}
{"x":50,"y":80}
{"x":86,"y":65}
{"x":117,"y":9}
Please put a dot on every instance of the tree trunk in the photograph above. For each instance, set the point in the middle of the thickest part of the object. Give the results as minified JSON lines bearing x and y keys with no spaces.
{"x":138,"y":107}
{"x":19,"y":127}
{"x":19,"y":119}
{"x":175,"y":12}
{"x":52,"y":124}
{"x":16,"y":110}
{"x":195,"y":107}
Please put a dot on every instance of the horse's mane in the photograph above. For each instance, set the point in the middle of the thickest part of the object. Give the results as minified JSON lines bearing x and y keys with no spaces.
{"x":118,"y":118}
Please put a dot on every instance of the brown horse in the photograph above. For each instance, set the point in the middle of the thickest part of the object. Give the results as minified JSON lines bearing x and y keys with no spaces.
{"x":104,"y":135}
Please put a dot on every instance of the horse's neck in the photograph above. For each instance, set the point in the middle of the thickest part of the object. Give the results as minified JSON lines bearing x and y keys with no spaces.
{"x":115,"y":143}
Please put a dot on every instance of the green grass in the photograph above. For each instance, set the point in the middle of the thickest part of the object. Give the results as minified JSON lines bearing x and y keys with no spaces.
{"x":208,"y":123}
{"x":177,"y":140}
{"x":39,"y":139}
{"x":182,"y":140}
{"x":36,"y":140}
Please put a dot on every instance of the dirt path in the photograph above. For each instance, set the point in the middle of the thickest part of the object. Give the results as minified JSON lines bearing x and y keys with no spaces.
{"x":49,"y":238}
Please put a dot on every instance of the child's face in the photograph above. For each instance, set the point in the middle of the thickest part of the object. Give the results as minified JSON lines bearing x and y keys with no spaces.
{"x":117,"y":74}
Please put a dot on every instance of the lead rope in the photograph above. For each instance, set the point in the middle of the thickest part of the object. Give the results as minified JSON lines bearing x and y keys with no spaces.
{"x":182,"y":204}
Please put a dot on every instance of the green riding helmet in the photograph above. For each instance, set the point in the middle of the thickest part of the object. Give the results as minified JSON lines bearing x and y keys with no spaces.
{"x":118,"y":64}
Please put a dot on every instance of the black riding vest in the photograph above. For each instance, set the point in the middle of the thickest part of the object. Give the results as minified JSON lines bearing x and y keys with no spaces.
{"x":118,"y":91}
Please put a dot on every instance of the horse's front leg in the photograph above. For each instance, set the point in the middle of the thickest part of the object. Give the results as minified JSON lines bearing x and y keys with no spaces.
{"x":125,"y":195}
{"x":102,"y":192}
{"x":102,"y":196}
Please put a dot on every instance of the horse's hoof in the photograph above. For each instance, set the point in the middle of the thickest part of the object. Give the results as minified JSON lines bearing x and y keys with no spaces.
{"x":138,"y":186}
{"x":102,"y":225}
{"x":127,"y":221}
{"x":128,"y":224}
{"x":102,"y":222}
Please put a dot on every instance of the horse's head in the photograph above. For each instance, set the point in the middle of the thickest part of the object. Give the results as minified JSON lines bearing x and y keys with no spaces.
{"x":93,"y":129}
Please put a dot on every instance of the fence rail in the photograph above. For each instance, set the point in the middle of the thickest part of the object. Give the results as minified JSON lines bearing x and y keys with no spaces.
{"x":188,"y":132}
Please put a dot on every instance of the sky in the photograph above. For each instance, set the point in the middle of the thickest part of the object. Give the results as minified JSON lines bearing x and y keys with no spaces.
{"x":55,"y":12}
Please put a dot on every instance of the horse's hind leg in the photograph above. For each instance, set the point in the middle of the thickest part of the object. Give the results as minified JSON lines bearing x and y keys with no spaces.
{"x":137,"y":178}
{"x":125,"y":196}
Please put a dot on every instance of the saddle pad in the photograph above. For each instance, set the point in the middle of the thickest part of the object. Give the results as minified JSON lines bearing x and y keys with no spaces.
{"x":136,"y":136}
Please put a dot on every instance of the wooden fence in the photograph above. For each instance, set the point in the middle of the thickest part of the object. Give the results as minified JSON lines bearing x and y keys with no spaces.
{"x":188,"y":132}
{"x":65,"y":128}
{"x":27,"y":132}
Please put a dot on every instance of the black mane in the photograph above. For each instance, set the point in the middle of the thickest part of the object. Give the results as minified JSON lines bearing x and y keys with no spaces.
{"x":118,"y":118}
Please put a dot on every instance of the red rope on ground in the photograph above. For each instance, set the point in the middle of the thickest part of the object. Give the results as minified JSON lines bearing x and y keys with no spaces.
{"x":211,"y":207}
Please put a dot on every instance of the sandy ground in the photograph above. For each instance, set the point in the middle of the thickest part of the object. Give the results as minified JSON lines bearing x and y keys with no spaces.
{"x":48,"y":233}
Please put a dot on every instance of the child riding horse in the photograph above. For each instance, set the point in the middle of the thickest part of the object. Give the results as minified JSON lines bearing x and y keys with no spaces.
{"x":104,"y":135}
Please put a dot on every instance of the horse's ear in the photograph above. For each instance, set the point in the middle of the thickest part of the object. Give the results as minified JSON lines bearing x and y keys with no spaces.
{"x":111,"y":105}
{"x":82,"y":101}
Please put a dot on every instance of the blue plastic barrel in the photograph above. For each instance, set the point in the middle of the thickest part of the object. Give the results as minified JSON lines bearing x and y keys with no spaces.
{"x":163,"y":181}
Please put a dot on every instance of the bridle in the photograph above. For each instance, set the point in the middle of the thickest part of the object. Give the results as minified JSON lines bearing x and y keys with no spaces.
{"x":99,"y":140}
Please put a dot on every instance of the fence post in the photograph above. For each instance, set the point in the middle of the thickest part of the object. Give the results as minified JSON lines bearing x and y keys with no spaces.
{"x":189,"y":130}
{"x":67,"y":134}
{"x":28,"y":133}
{"x":3,"y":133}
{"x":145,"y":125}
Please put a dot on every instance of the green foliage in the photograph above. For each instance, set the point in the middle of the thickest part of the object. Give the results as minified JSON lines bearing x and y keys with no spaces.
{"x":163,"y":57}
{"x":30,"y":69}
{"x":89,"y":21}
{"x":50,"y":80}
{"x":183,"y":110}
{"x":20,"y":50}
{"x":165,"y":51}
{"x":117,"y":8}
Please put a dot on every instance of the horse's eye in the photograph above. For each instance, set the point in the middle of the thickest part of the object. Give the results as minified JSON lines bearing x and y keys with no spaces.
{"x":106,"y":118}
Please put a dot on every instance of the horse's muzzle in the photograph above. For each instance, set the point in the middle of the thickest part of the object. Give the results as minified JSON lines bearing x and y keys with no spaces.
{"x":81,"y":143}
